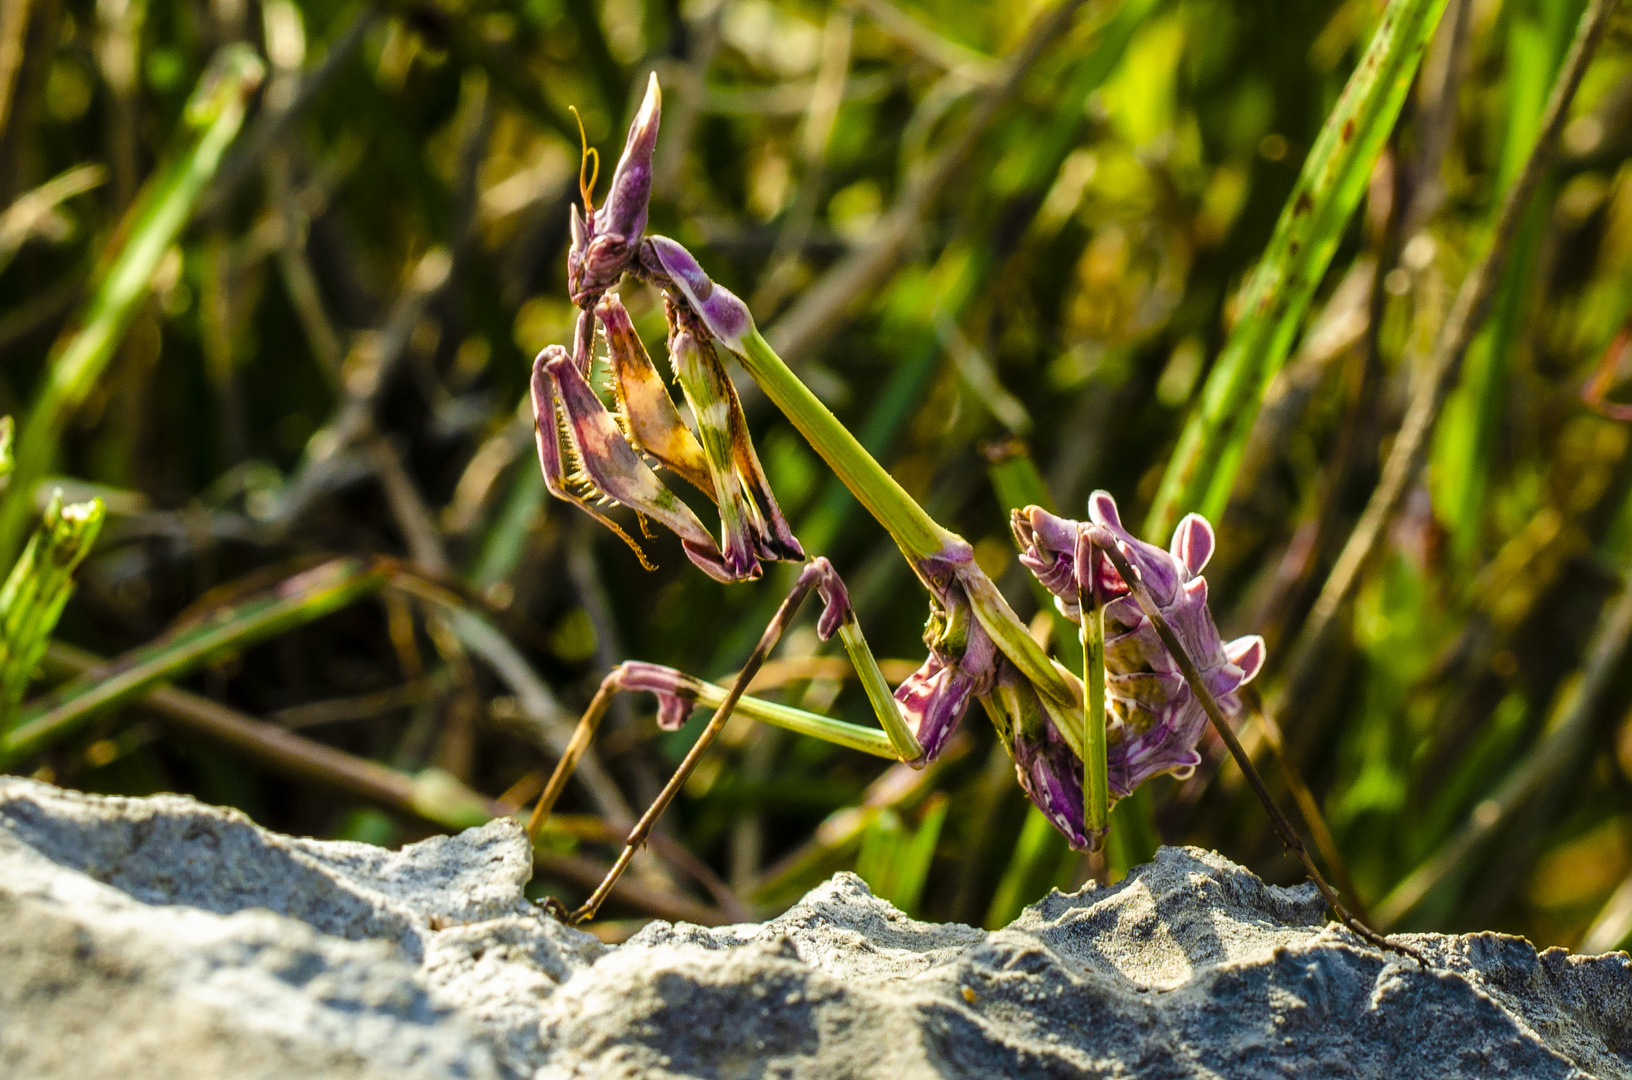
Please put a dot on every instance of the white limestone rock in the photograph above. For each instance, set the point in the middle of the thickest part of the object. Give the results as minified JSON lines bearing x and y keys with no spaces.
{"x":161,"y":938}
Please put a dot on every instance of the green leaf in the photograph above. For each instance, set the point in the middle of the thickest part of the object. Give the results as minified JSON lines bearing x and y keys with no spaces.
{"x":36,"y":591}
{"x":214,"y":114}
{"x":1272,"y":305}
{"x":1042,"y":859}
{"x":895,"y":860}
{"x":228,"y":629}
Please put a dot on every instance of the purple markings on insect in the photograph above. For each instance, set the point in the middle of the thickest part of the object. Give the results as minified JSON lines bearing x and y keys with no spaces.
{"x":668,"y":265}
{"x":1049,"y":771}
{"x":963,"y":660}
{"x":676,"y":692}
{"x":1155,"y":721}
{"x":607,"y":465}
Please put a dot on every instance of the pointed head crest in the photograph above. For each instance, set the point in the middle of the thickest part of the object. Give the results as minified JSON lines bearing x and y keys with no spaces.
{"x":605,"y":242}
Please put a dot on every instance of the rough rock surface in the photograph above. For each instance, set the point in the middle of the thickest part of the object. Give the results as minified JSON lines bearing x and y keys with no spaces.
{"x":162,"y":938}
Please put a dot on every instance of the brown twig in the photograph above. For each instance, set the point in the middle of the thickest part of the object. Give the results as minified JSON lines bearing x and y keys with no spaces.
{"x":926,"y":42}
{"x":408,"y":507}
{"x":1410,"y":449}
{"x":367,"y":371}
{"x":447,"y":805}
{"x":275,"y":123}
{"x":1106,"y":542}
{"x":360,"y":706}
{"x":702,"y":40}
{"x":299,"y":279}
{"x":833,"y":71}
{"x":538,"y":704}
{"x":469,"y":48}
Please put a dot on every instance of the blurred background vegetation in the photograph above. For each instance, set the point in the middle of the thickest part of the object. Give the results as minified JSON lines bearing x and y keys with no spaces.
{"x":340,"y":600}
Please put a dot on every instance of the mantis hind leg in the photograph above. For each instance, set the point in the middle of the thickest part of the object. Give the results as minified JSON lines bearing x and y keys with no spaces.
{"x":678,"y":692}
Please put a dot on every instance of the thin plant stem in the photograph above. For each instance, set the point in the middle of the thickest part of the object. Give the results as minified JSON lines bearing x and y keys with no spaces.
{"x":30,"y":211}
{"x":823,"y":307}
{"x":13,"y":29}
{"x":1561,"y":746}
{"x":1104,"y":539}
{"x":927,"y":42}
{"x":294,"y":602}
{"x":432,"y":796}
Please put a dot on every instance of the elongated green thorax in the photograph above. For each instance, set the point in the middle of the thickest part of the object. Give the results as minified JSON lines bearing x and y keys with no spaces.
{"x":912,"y":528}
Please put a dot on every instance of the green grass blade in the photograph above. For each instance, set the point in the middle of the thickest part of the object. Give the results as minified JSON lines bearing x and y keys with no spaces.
{"x":36,"y":591}
{"x":881,"y":846}
{"x":214,"y":115}
{"x":1202,"y":470}
{"x":1465,"y":442}
{"x":299,"y":600}
{"x":915,"y":857}
{"x":7,"y":461}
{"x":895,"y":860}
{"x":1134,"y":838}
{"x":1041,"y":860}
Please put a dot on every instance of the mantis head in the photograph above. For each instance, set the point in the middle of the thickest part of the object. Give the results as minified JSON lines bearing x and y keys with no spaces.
{"x":592,"y":456}
{"x":605,"y":240}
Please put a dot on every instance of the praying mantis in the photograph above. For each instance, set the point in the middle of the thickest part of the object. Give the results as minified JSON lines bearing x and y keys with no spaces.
{"x":1156,"y":671}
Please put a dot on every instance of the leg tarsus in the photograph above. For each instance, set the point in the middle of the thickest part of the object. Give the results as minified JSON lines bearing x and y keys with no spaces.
{"x":808,"y":579}
{"x":678,"y":692}
{"x":1106,"y":542}
{"x":581,"y":737}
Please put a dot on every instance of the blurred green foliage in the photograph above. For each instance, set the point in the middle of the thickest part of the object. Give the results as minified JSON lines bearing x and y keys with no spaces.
{"x":325,"y":353}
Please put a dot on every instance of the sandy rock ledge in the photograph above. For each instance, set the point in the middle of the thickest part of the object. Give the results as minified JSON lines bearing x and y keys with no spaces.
{"x":162,"y":938}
